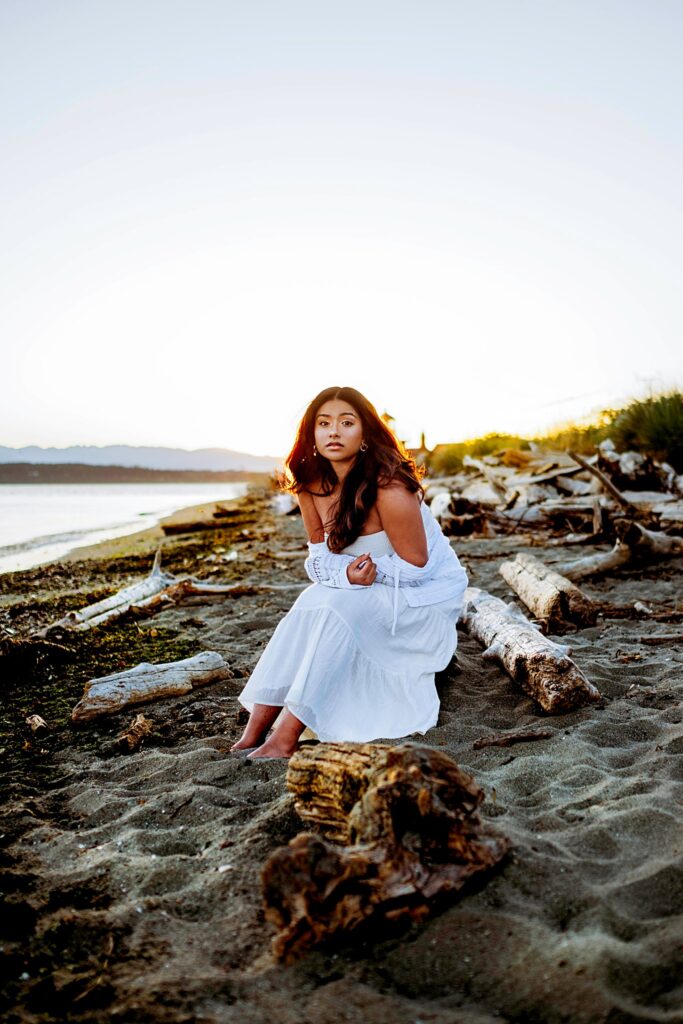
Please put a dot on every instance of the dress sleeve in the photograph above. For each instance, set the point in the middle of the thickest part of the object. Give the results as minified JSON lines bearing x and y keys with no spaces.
{"x":325,"y":567}
{"x":408,"y":575}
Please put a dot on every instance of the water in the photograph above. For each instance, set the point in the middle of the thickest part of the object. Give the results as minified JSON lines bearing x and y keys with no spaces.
{"x":41,"y":522}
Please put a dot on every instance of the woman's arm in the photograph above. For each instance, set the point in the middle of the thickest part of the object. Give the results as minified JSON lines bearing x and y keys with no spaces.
{"x":313,"y":524}
{"x":399,"y":512}
{"x":322,"y":565}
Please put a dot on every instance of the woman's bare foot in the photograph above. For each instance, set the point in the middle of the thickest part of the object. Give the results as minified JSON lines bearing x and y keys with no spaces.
{"x":271,"y":748}
{"x":260,"y":721}
{"x":247,"y":744}
{"x":284,"y":740}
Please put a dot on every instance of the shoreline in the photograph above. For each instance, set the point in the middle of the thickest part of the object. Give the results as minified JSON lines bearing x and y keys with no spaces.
{"x":135,"y":878}
{"x":91,"y":548}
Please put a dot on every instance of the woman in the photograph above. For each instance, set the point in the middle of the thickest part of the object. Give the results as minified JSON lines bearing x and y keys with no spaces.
{"x":355,"y":657}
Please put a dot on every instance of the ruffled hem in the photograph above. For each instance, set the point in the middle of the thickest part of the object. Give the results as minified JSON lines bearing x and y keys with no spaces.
{"x":315,"y":667}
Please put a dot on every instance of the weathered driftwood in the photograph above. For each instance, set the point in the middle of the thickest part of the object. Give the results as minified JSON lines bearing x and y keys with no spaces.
{"x":631,"y":509}
{"x":145,"y":597}
{"x":507,"y":739}
{"x":495,"y":480}
{"x":541,"y":667}
{"x":36,"y":724}
{"x":410,"y":813}
{"x":135,"y":735}
{"x":552,"y":598}
{"x":598,"y":563}
{"x":654,"y":542}
{"x":145,"y":682}
{"x":633,"y":541}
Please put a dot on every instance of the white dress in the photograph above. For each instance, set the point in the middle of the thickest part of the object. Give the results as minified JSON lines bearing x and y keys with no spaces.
{"x":357,"y":663}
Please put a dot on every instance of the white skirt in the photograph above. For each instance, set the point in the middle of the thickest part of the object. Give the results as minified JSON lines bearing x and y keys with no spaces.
{"x":333,"y":662}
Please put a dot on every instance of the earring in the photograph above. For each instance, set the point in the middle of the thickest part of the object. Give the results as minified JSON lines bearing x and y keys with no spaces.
{"x":315,"y":450}
{"x":364,"y":446}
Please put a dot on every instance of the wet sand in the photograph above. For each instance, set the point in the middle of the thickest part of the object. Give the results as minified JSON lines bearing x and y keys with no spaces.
{"x":132,"y":881}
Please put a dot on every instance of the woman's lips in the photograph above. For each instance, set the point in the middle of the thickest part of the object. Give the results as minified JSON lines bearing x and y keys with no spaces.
{"x":334,"y":444}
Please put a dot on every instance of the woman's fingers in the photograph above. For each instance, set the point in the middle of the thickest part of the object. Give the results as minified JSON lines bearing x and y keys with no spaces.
{"x":362,"y":570}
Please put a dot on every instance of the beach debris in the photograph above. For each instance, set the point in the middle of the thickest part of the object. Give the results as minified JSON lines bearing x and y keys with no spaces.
{"x":132,"y":738}
{"x":557,"y":492}
{"x":552,"y":598}
{"x":145,"y":597}
{"x":36,"y":724}
{"x":540,"y":666}
{"x":407,"y":816}
{"x":507,"y":739}
{"x":633,"y":541}
{"x":628,"y":506}
{"x":109,"y":694}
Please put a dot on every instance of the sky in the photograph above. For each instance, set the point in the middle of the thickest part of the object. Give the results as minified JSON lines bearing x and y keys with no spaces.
{"x":212,"y":210}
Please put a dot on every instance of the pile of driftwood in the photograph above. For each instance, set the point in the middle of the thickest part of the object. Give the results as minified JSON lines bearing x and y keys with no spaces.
{"x":627,"y":500}
{"x":402,"y":837}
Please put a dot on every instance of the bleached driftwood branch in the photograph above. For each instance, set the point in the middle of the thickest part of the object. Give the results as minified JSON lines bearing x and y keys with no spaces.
{"x":148,"y":595}
{"x":410,"y":813}
{"x":552,"y":598}
{"x":628,"y":507}
{"x":541,"y":667}
{"x":109,"y":694}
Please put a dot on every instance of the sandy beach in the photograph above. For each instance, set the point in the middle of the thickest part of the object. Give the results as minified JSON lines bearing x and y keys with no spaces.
{"x":131,"y":882}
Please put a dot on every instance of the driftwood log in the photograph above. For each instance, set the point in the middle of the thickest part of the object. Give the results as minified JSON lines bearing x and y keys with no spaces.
{"x":145,"y":682}
{"x":634,"y":541}
{"x":410,"y":814}
{"x":552,"y":598}
{"x":541,"y":667}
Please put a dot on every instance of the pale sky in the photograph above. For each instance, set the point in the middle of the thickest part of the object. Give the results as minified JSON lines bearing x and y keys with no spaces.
{"x":471,"y":212}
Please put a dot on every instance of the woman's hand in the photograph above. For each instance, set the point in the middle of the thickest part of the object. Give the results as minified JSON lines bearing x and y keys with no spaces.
{"x":362,"y":570}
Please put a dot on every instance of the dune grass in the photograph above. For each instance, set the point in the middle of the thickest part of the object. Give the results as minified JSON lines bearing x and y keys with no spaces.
{"x":652,"y":426}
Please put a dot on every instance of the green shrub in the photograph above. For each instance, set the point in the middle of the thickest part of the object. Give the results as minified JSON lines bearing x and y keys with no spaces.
{"x":652,"y":426}
{"x":447,"y":458}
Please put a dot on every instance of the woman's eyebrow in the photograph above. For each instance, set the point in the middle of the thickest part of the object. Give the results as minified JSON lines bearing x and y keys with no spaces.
{"x":342,"y":415}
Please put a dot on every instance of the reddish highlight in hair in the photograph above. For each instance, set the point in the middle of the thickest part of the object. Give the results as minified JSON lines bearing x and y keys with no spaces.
{"x":386,"y":461}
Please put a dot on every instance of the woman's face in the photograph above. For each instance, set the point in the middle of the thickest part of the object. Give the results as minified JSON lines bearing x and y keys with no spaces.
{"x":338,"y":431}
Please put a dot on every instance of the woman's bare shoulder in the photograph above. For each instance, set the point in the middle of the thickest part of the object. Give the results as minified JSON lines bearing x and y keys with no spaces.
{"x":395,"y":495}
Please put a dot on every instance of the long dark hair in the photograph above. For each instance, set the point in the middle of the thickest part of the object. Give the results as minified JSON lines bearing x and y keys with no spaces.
{"x":385,"y":460}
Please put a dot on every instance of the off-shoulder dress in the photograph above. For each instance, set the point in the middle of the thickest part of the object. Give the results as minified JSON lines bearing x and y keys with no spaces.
{"x":357,"y":663}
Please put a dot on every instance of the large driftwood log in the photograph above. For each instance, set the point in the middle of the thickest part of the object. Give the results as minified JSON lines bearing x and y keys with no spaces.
{"x":552,"y":598}
{"x":410,"y":813}
{"x":542,"y":668}
{"x":145,"y":682}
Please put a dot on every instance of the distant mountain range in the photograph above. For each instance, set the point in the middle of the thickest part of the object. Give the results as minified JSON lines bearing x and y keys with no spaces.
{"x":206,"y":459}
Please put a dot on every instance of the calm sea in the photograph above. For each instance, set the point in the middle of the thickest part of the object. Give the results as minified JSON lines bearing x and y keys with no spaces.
{"x":41,"y":522}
